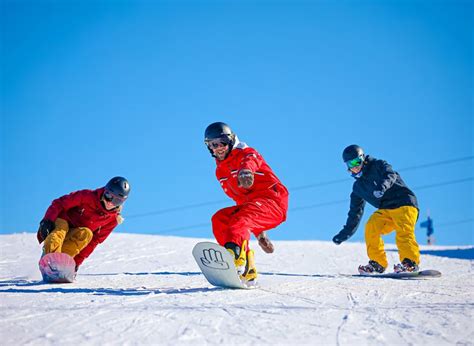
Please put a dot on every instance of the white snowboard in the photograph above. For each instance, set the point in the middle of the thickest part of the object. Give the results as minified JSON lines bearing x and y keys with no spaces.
{"x":217,"y":265}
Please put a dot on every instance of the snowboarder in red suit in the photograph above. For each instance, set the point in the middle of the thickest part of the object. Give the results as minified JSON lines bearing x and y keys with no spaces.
{"x":76,"y":223}
{"x":261,"y":199}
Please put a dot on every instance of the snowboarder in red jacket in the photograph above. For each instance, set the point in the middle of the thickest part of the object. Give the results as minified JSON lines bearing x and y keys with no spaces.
{"x":261,"y":199}
{"x":76,"y":223}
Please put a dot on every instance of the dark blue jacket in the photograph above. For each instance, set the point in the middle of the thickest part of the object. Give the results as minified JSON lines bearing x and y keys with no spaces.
{"x":377,"y":175}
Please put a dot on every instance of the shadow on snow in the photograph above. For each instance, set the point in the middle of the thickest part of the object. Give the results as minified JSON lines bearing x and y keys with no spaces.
{"x":25,"y":286}
{"x":95,"y":291}
{"x":21,"y":285}
{"x":147,"y":273}
{"x":111,"y":291}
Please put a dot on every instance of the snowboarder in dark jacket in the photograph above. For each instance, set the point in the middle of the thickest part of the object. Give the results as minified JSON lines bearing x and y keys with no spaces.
{"x":378,"y":184}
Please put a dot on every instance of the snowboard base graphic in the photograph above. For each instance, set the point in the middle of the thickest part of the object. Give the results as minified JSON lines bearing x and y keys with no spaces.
{"x":217,"y":265}
{"x":57,"y":268}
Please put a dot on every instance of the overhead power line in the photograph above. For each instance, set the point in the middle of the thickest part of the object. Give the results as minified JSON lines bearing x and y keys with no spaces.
{"x":208,"y":224}
{"x":439,"y":163}
{"x":411,"y":168}
{"x":451,"y":223}
{"x":445,"y":183}
{"x":185,"y":228}
{"x":169,"y":210}
{"x":416,"y":188}
{"x":312,"y":206}
{"x":341,"y":201}
{"x":301,"y":187}
{"x":323,"y":183}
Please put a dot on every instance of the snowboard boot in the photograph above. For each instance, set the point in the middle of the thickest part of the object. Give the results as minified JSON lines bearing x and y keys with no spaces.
{"x":240,"y":255}
{"x":371,"y":268}
{"x":250,"y":273}
{"x":407,"y":265}
{"x":265,"y":242}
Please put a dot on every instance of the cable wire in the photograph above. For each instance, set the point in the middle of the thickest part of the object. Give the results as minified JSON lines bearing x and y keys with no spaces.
{"x":323,"y":204}
{"x":451,"y":223}
{"x":308,"y":186}
{"x":415,"y":188}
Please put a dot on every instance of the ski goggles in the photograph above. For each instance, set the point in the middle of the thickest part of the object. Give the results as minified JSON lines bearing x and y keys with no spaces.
{"x":354,"y":162}
{"x":218,"y":142}
{"x":113,"y":198}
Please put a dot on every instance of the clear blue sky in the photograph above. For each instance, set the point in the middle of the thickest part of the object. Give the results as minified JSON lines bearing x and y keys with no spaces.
{"x":92,"y":89}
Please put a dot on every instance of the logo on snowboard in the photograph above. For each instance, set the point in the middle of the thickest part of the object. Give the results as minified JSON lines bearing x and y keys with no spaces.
{"x":213,"y":259}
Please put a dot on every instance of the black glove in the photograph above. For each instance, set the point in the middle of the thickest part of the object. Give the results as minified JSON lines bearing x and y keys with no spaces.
{"x":245,"y":178}
{"x":340,"y":237}
{"x":45,"y":228}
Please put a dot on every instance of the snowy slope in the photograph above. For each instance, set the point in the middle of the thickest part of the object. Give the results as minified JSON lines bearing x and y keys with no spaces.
{"x":142,"y":289}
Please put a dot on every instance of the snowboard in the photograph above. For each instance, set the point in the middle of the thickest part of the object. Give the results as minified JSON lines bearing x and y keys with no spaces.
{"x":422,"y":274}
{"x":57,"y":268}
{"x":217,"y":265}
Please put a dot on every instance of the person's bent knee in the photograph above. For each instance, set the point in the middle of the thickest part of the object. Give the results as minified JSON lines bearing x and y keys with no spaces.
{"x":76,"y":240}
{"x":82,"y":234}
{"x":61,"y":224}
{"x":55,"y":239}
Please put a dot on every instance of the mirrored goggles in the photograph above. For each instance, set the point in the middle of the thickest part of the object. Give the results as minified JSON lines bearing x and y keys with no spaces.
{"x":113,"y":198}
{"x":218,"y":142}
{"x":354,"y":162}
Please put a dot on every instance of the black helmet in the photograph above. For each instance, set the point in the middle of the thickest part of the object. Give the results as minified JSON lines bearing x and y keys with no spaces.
{"x":117,"y":190}
{"x":352,"y":152}
{"x":218,"y":130}
{"x":221,"y":131}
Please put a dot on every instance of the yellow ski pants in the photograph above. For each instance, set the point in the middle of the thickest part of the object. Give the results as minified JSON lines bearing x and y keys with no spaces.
{"x":65,"y":240}
{"x":384,"y":221}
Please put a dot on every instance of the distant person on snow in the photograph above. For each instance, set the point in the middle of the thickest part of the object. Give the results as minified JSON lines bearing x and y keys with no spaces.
{"x":378,"y":184}
{"x":261,"y":199}
{"x":428,"y":224}
{"x":76,"y":223}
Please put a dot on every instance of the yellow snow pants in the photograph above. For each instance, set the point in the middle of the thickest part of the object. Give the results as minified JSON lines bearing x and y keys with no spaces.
{"x":65,"y":240}
{"x":385,"y":221}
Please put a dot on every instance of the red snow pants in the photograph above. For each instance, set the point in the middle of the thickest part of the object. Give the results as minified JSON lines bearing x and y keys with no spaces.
{"x":234,"y":224}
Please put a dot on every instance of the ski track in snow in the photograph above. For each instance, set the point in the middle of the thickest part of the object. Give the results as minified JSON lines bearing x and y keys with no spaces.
{"x":142,"y":289}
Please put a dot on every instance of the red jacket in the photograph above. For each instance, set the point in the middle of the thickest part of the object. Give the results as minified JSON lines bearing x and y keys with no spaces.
{"x":266,"y":184}
{"x":84,"y":209}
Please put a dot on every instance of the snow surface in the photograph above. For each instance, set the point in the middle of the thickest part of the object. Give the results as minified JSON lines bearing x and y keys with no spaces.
{"x":145,"y":289}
